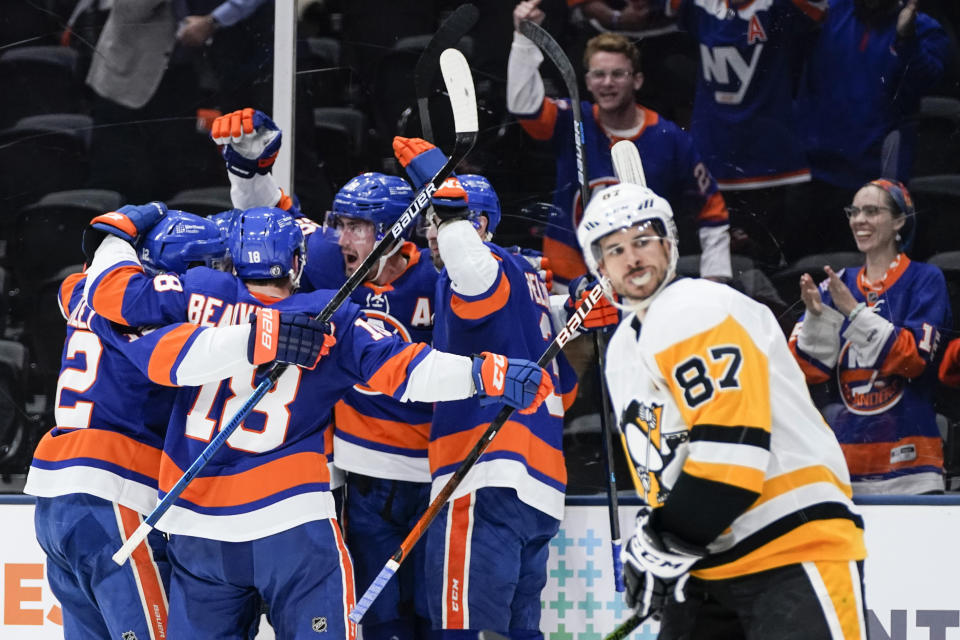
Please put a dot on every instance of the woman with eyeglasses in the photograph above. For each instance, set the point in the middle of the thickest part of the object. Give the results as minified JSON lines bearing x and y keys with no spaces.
{"x":874,"y":332}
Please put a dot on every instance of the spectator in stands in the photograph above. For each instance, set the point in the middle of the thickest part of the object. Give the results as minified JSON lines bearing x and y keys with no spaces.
{"x":633,"y":15}
{"x":673,"y":166}
{"x":950,"y":365}
{"x":875,"y":331}
{"x":741,"y":122}
{"x":145,"y":77}
{"x":870,"y":65}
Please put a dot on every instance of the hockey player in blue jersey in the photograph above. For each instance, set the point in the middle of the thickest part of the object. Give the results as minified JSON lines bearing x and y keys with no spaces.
{"x":380,"y":442}
{"x":259,"y":518}
{"x":95,"y":474}
{"x":487,"y":552}
{"x":875,"y":331}
{"x":672,"y":162}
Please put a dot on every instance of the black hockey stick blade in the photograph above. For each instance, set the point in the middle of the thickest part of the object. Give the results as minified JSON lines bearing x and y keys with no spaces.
{"x":542,"y":38}
{"x":457,"y":25}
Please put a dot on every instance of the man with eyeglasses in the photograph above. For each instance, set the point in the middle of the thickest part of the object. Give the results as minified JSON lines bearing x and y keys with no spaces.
{"x":672,"y":163}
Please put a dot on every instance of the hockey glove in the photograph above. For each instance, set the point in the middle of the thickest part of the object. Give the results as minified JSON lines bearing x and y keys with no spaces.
{"x":449,"y":202}
{"x":294,"y":338}
{"x":602,"y":315}
{"x":538,"y":261}
{"x":656,"y":567}
{"x":250,"y":141}
{"x":420,"y":158}
{"x":127,"y":223}
{"x":512,"y":381}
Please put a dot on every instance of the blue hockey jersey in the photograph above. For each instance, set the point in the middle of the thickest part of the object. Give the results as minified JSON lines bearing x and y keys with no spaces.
{"x":750,"y":54}
{"x":885,"y":376}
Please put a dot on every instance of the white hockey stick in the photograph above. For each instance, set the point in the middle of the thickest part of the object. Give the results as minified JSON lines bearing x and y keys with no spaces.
{"x":627,"y":164}
{"x":459,"y":81}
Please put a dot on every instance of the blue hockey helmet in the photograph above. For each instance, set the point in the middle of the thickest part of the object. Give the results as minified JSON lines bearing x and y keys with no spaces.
{"x":224,"y":220}
{"x":375,"y":197}
{"x":263,"y":242}
{"x":481,"y":198}
{"x":182,"y":240}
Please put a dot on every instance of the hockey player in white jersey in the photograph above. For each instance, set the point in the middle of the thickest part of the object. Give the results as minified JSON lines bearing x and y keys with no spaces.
{"x":748,"y":529}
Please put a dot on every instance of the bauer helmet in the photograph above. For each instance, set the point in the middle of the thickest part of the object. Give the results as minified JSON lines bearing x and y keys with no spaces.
{"x":623,"y":206}
{"x":263,"y":243}
{"x":375,"y":197}
{"x":182,"y":240}
{"x":481,"y":199}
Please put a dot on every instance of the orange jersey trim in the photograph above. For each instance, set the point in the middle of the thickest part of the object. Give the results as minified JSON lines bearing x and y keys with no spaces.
{"x":514,"y":436}
{"x":476,"y":309}
{"x":165,"y":354}
{"x":762,"y":179}
{"x":100,"y":444}
{"x":569,"y":397}
{"x":541,"y":127}
{"x":108,"y":296}
{"x":393,"y":372}
{"x":714,"y":210}
{"x":809,"y":10}
{"x":248,"y":486}
{"x":810,"y":372}
{"x":950,"y":366}
{"x":903,"y":359}
{"x":874,"y":457}
{"x":565,"y":261}
{"x":402,"y":435}
{"x":648,"y":118}
{"x":66,"y":290}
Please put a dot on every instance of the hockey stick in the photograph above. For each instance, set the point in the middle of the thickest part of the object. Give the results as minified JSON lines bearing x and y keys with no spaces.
{"x":560,"y":60}
{"x":568,"y":332}
{"x":626,"y":627}
{"x":457,"y":25}
{"x":456,"y":75}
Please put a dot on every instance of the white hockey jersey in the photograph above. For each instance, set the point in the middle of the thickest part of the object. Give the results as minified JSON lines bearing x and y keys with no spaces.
{"x":725,"y":440}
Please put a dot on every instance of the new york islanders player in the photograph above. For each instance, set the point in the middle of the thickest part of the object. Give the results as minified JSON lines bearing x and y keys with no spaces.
{"x":672,"y":162}
{"x":747,"y":493}
{"x":876,"y":332}
{"x":259,"y":518}
{"x":95,"y":474}
{"x":380,"y":442}
{"x":487,"y":552}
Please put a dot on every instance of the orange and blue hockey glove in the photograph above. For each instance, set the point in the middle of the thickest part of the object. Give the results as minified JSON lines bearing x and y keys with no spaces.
{"x":294,"y":338}
{"x":603,"y":314}
{"x":129,"y":222}
{"x":516,"y":382}
{"x":250,"y":139}
{"x":421,"y":159}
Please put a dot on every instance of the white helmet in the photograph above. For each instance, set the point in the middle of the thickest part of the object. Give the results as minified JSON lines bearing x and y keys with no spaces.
{"x":623,"y":206}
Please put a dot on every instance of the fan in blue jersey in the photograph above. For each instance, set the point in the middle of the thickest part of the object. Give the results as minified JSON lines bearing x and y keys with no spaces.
{"x":858,"y":101}
{"x":672,"y":164}
{"x":259,"y":520}
{"x":95,"y":474}
{"x":486,"y":559}
{"x":875,"y":331}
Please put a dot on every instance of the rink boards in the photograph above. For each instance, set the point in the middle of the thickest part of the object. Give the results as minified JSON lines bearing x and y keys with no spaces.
{"x":912,"y":572}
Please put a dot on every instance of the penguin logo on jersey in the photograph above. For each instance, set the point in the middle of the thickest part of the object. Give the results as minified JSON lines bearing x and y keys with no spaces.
{"x":651,"y":450}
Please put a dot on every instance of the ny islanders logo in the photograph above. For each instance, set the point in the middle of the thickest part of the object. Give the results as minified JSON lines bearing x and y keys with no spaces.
{"x":864,"y":390}
{"x":651,"y":450}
